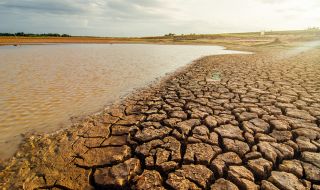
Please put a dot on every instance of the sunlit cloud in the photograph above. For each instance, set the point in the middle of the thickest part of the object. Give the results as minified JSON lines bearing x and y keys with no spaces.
{"x":155,"y":17}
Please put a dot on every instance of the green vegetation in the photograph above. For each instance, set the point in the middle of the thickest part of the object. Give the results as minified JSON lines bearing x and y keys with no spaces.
{"x":35,"y":35}
{"x":310,"y":31}
{"x":170,"y":34}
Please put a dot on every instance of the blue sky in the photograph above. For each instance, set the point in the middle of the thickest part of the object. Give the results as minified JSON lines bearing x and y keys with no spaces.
{"x":156,"y":17}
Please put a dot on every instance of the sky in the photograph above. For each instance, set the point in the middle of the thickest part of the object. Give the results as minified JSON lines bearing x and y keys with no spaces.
{"x":156,"y":17}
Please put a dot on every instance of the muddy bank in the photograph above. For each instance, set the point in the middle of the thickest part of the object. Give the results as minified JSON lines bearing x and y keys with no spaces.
{"x":256,"y":127}
{"x":43,"y":86}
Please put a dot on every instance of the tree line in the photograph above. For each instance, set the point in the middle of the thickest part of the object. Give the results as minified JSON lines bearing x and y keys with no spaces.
{"x":35,"y":35}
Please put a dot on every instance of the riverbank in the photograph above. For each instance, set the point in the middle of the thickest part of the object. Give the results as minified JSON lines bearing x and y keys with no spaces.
{"x":233,"y":40}
{"x":75,"y":80}
{"x":256,"y":125}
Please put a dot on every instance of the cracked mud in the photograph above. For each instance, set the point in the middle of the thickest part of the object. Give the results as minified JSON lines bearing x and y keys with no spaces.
{"x":256,"y":128}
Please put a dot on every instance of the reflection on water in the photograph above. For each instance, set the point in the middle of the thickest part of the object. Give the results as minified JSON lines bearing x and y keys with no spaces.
{"x":42,"y":86}
{"x":302,"y":47}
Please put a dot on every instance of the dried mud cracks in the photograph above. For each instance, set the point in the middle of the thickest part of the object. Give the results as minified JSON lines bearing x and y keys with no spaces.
{"x":257,"y":128}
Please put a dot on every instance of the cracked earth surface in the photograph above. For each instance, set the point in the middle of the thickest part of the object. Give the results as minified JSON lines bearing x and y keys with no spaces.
{"x":257,"y":128}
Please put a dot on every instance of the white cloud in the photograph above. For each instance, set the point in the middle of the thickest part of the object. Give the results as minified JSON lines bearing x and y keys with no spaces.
{"x":155,"y":17}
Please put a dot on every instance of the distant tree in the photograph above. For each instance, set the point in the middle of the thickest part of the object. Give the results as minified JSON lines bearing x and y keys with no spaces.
{"x":6,"y":34}
{"x":170,"y":34}
{"x":20,"y":34}
{"x":65,"y":35}
{"x":35,"y":35}
{"x":313,"y":28}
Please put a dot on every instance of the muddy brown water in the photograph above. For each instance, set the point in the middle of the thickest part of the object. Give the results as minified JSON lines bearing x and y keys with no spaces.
{"x":42,"y":86}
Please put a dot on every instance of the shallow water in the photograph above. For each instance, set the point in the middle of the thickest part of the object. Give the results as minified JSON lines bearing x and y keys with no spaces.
{"x":42,"y":86}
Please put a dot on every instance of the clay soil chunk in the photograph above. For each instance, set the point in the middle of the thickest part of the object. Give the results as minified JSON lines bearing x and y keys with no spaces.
{"x":104,"y":156}
{"x":200,"y":153}
{"x":242,"y":177}
{"x":246,"y":116}
{"x":149,"y":179}
{"x":222,"y":184}
{"x":292,"y":166}
{"x":190,"y":177}
{"x":286,"y":181}
{"x":230,"y":131}
{"x":131,"y":120}
{"x":312,"y":157}
{"x":266,"y":185}
{"x":280,"y":125}
{"x":301,"y":114}
{"x":260,"y":167}
{"x":118,"y":175}
{"x":152,"y":133}
{"x":311,"y":171}
{"x":221,"y":162}
{"x":236,"y":146}
{"x":186,"y":126}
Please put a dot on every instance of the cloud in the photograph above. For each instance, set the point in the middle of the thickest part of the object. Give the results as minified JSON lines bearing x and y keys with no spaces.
{"x":138,"y":10}
{"x":272,"y":1}
{"x":43,"y":6}
{"x":268,"y":1}
{"x":154,"y":17}
{"x":116,"y":10}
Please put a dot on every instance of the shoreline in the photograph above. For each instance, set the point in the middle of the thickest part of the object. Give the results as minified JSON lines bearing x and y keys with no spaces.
{"x":230,"y":40}
{"x":74,"y":117}
{"x":121,"y":134}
